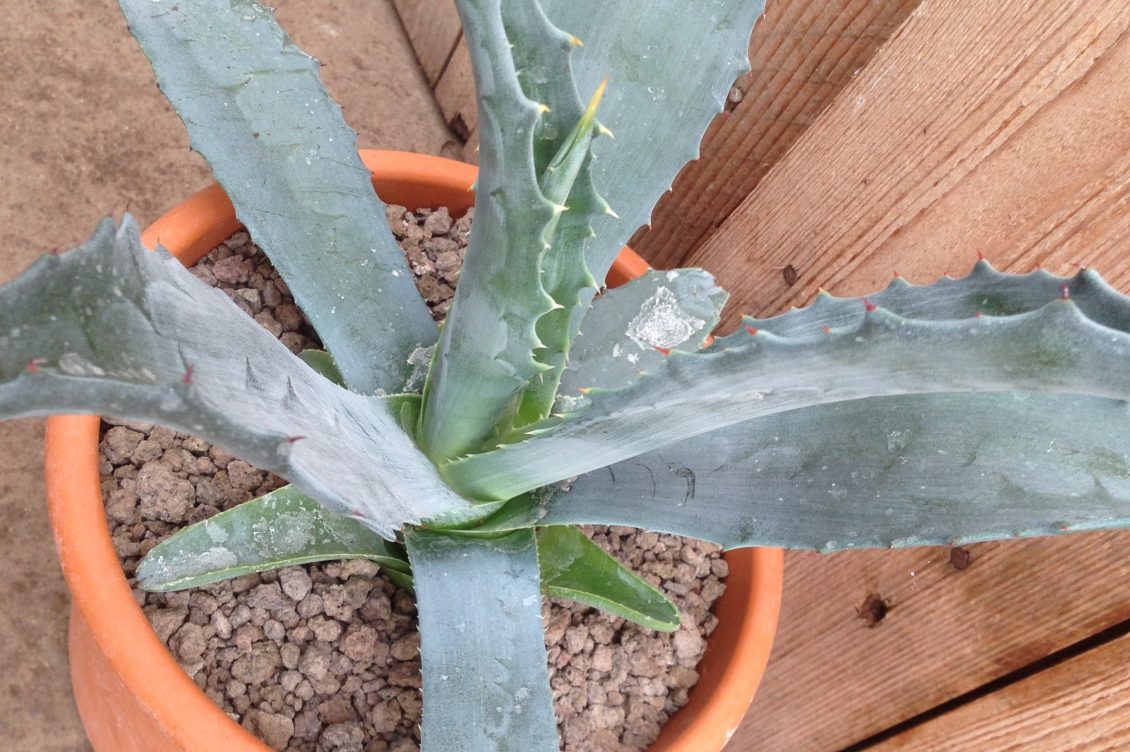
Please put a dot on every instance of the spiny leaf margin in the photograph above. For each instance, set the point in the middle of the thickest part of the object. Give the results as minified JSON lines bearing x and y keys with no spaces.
{"x":753,"y":373}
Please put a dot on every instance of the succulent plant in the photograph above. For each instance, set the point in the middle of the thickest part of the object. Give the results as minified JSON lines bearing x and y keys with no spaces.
{"x":984,"y":407}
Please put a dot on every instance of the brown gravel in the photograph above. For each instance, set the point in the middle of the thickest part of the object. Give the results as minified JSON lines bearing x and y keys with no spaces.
{"x":325,"y":657}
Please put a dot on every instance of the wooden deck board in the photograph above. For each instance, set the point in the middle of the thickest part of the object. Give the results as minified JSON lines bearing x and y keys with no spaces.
{"x":433,"y":29}
{"x":1081,"y":704}
{"x":801,"y":55}
{"x":833,"y":680}
{"x":965,"y":134}
{"x":455,"y":92}
{"x":1025,"y":157}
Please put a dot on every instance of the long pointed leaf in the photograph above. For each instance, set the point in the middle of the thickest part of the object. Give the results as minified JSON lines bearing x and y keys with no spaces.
{"x":1054,"y":348}
{"x":279,"y":529}
{"x":486,"y":680}
{"x":256,"y":110}
{"x":542,"y":55}
{"x":896,"y":471}
{"x":663,"y":90}
{"x":576,"y":569}
{"x":485,"y":353}
{"x":285,"y":527}
{"x":114,"y":329}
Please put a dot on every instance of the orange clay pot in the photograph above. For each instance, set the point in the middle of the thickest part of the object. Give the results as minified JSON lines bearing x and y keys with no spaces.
{"x":131,"y":693}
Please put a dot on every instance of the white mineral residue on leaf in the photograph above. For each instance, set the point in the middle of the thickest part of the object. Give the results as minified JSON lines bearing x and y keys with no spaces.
{"x":284,"y":532}
{"x":186,"y":564}
{"x":420,"y":359}
{"x":216,"y":532}
{"x":73,"y":364}
{"x":565,"y":404}
{"x":662,"y":323}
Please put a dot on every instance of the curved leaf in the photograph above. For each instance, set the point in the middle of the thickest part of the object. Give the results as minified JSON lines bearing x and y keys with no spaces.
{"x":669,"y":65}
{"x":482,"y":643}
{"x":576,"y":569}
{"x":114,"y":329}
{"x":898,"y":471}
{"x":542,"y":56}
{"x":753,"y":373}
{"x":256,"y":110}
{"x":629,"y":328}
{"x":485,"y":353}
{"x":279,"y":529}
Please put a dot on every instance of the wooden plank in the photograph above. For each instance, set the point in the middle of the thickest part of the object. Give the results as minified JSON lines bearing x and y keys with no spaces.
{"x":836,"y":677}
{"x":1024,"y":156}
{"x":1083,"y":703}
{"x":455,"y":92}
{"x":801,"y":55}
{"x":981,"y":126}
{"x":433,"y":29}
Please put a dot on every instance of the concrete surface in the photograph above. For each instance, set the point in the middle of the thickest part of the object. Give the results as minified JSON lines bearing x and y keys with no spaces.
{"x":84,"y":131}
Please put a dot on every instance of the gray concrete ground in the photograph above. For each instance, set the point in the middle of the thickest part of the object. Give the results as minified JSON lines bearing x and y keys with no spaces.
{"x":84,"y":131}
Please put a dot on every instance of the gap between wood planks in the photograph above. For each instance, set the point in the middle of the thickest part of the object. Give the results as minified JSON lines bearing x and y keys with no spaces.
{"x":1038,"y":666}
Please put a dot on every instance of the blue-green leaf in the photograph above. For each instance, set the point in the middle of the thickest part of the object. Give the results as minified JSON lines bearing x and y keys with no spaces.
{"x":669,"y":65}
{"x":630,"y":328}
{"x":486,"y":680}
{"x":280,"y":529}
{"x":485,"y":352}
{"x":896,"y":471}
{"x":114,"y":329}
{"x":1053,"y":345}
{"x":256,"y":110}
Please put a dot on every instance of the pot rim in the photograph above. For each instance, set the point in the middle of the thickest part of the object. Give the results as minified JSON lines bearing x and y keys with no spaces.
{"x":736,"y":653}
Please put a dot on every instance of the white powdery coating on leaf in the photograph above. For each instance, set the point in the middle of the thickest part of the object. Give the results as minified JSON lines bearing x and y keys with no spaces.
{"x":420,"y":359}
{"x":216,"y":532}
{"x":73,"y":364}
{"x":283,"y":533}
{"x":185,"y":563}
{"x":662,"y":323}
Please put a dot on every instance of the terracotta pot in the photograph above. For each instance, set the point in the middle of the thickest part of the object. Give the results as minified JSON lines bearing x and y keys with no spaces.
{"x":130,"y":691}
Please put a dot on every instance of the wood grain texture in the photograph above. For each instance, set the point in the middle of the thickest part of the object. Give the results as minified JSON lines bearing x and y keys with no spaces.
{"x":433,"y":29}
{"x":995,"y":126}
{"x":833,"y":680}
{"x":455,"y":92}
{"x":801,"y":55}
{"x":1001,"y":127}
{"x":1081,"y":704}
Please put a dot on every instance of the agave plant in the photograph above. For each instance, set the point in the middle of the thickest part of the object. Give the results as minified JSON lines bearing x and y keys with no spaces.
{"x":990,"y":406}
